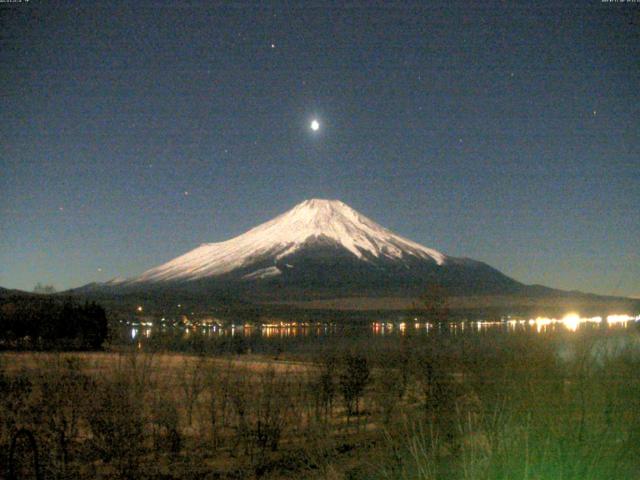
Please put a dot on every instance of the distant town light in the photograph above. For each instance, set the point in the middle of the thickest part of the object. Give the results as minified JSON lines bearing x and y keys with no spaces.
{"x":619,"y":318}
{"x":571,"y":321}
{"x":139,"y":309}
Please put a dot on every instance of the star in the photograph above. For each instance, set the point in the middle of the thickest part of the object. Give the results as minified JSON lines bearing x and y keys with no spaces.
{"x":186,"y":193}
{"x":315,"y":125}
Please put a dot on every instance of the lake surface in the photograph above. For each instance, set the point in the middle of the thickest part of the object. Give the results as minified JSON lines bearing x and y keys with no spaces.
{"x":240,"y":337}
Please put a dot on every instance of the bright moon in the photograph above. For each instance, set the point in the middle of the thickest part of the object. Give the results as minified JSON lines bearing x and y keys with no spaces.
{"x":315,"y":125}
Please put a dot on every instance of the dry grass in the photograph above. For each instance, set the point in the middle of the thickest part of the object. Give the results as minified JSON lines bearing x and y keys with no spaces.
{"x":487,"y":407}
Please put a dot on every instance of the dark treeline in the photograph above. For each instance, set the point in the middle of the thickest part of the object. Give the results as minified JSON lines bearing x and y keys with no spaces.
{"x":45,"y":323}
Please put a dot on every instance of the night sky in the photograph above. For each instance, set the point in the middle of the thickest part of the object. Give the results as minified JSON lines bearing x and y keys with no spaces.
{"x":509,"y":132}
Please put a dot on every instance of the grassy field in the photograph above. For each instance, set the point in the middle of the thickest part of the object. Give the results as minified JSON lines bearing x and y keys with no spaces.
{"x":563,"y":405}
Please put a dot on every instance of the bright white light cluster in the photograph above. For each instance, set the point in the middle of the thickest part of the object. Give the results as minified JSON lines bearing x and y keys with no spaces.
{"x":622,"y":318}
{"x":572,"y":321}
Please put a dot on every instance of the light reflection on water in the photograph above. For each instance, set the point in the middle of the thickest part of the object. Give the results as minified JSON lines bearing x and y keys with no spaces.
{"x":571,"y":322}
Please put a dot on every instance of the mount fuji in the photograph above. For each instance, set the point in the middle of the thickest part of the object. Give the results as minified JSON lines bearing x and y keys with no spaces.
{"x":318,"y":249}
{"x":313,"y":223}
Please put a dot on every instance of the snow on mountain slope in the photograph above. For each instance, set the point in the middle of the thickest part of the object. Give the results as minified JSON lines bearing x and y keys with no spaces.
{"x":286,"y":234}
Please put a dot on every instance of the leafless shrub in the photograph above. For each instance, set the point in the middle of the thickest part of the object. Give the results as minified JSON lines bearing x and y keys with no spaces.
{"x":216,"y":385}
{"x":192,"y":383}
{"x":353,"y":378}
{"x":239,"y":399}
{"x":272,"y":405}
{"x":323,"y":388}
{"x":117,"y":425}
{"x":261,"y":408}
{"x":166,"y":434}
{"x":118,"y":418}
{"x":63,"y":403}
{"x":16,"y":408}
{"x":389,"y":390}
{"x":440,"y":391}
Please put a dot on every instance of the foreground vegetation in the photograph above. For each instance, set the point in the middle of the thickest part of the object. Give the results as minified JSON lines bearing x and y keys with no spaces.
{"x":520,"y":406}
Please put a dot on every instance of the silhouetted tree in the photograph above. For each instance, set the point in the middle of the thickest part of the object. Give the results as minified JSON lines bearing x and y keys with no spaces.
{"x":45,"y":289}
{"x":47,"y":323}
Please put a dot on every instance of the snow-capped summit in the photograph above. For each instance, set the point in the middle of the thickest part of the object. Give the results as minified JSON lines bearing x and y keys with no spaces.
{"x":329,"y":222}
